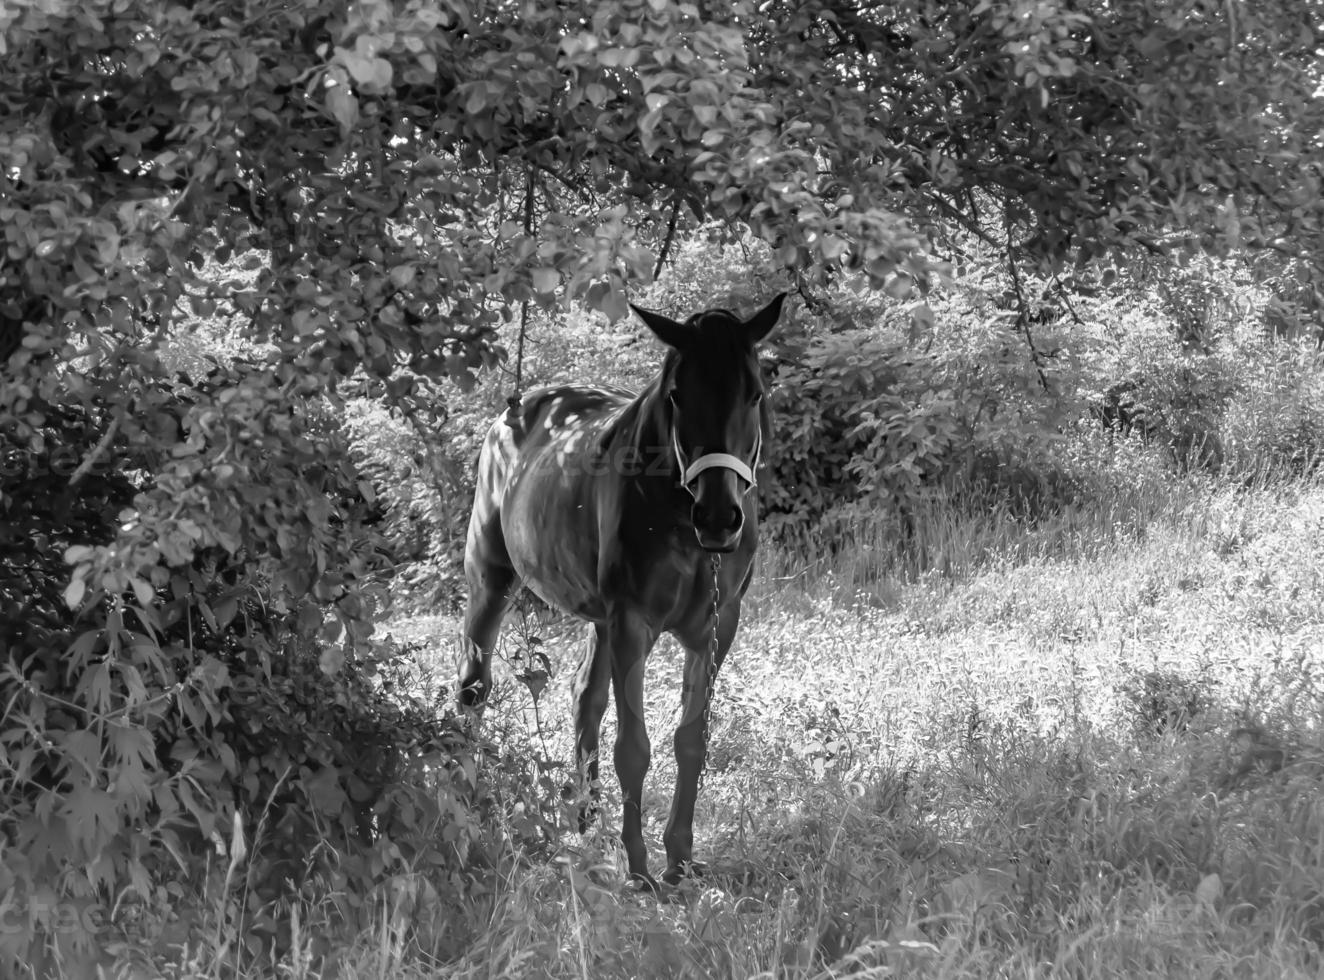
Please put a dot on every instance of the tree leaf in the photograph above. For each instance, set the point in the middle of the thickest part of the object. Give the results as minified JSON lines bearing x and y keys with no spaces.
{"x":402,"y":275}
{"x":332,"y":660}
{"x":344,"y":107}
{"x":545,"y":280}
{"x":143,"y":592}
{"x":74,"y":592}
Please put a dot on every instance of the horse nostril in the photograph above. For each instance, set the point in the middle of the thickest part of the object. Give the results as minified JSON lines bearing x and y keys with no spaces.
{"x":726,"y":518}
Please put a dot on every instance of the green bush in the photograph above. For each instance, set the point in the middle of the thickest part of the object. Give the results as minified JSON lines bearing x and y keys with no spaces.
{"x":1246,"y":402}
{"x":233,"y":685}
{"x":873,"y":427}
{"x":1163,"y":700}
{"x":1276,"y":424}
{"x":421,"y":471}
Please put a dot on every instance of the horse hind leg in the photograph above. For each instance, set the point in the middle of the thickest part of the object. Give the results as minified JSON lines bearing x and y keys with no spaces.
{"x":492,"y":584}
{"x":591,"y":692}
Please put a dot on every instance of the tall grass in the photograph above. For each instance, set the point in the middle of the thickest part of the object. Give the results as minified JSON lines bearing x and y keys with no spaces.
{"x":1085,"y":743}
{"x":1110,"y":494}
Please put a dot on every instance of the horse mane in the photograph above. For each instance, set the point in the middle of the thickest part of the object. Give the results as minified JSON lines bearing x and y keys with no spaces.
{"x":712,"y":331}
{"x":631,"y":425}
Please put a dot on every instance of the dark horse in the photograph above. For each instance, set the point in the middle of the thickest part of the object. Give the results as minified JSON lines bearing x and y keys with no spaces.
{"x":622,"y":510}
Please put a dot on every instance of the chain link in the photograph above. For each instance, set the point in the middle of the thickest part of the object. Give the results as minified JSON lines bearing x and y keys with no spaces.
{"x":715,"y":562}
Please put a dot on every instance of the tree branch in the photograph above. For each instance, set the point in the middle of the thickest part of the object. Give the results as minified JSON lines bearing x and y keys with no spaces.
{"x":1022,"y":311}
{"x":666,"y":243}
{"x":85,"y":467}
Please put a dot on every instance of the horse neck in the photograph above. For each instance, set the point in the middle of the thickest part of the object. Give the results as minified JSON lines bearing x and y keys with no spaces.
{"x":643,"y":426}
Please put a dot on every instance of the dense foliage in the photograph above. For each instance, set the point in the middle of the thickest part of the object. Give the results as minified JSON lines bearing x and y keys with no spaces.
{"x":364,"y":194}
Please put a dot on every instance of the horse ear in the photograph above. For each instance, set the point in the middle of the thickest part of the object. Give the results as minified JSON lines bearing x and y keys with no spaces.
{"x":667,"y":330}
{"x":761,"y":323}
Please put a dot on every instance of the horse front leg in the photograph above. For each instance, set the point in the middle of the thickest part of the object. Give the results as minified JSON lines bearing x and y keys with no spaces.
{"x":630,"y":644}
{"x":691,"y":740}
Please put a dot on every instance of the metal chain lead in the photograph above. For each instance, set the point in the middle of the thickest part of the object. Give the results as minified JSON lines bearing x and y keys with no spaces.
{"x":715,"y":562}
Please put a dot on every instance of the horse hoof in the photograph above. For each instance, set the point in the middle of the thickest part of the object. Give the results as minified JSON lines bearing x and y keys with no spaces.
{"x":642,"y":881}
{"x":586,"y":813}
{"x":685,"y":869}
{"x":473,"y":698}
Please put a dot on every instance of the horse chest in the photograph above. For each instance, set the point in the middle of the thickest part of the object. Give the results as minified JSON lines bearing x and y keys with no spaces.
{"x":670,"y":579}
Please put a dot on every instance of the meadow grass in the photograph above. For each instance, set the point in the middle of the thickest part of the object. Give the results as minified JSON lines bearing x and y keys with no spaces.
{"x":1083,"y":746}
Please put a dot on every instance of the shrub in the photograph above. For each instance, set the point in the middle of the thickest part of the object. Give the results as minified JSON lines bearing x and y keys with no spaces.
{"x":1182,"y":397}
{"x":232,"y":679}
{"x":1163,"y":700}
{"x":422,"y":477}
{"x":873,"y":428}
{"x":1276,"y":424}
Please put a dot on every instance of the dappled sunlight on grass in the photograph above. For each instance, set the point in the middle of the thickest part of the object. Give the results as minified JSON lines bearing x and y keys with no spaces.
{"x":1077,"y":761}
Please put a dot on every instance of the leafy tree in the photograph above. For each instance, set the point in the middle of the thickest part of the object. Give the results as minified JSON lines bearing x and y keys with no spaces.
{"x":1077,"y":127}
{"x":367,"y":191}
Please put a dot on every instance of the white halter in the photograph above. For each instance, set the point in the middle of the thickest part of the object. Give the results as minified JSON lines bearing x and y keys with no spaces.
{"x":689,"y":472}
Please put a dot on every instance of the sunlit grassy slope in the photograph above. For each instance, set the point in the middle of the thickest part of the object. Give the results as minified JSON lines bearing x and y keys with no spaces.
{"x":1095,"y":752}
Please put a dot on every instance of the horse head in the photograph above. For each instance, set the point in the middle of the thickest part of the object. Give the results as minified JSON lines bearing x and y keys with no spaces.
{"x":715,"y":417}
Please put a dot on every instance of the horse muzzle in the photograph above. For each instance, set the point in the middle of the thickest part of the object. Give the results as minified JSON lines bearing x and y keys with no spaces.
{"x":718,"y":482}
{"x":718,"y":517}
{"x":717,"y":545}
